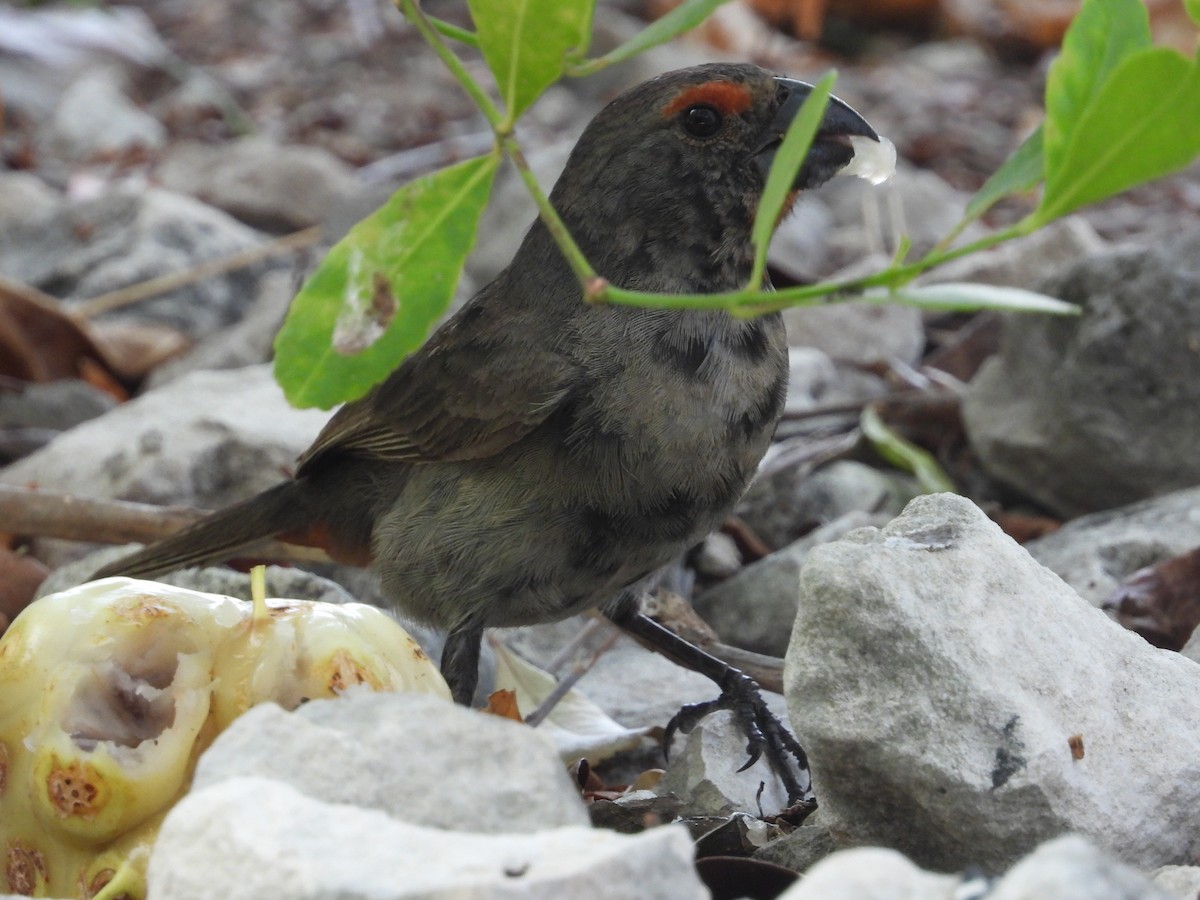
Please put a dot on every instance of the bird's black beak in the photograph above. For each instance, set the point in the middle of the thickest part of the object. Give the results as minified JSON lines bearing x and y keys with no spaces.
{"x":830,"y":150}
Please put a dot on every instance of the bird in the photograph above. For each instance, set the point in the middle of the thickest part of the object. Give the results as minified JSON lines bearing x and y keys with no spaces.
{"x":540,"y":455}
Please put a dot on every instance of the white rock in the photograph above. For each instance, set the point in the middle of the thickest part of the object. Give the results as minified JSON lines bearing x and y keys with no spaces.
{"x":414,"y":757}
{"x":1070,"y":868}
{"x":1182,"y":882}
{"x":704,"y":774}
{"x":256,"y":838}
{"x":1066,"y":868}
{"x":940,"y":681}
{"x":870,"y":873}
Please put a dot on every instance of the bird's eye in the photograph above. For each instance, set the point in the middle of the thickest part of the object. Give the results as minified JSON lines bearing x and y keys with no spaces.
{"x":701,"y":121}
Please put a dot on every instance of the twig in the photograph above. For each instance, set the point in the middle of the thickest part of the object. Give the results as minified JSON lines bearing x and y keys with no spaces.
{"x":136,"y":293}
{"x":569,"y":681}
{"x":35,"y":513}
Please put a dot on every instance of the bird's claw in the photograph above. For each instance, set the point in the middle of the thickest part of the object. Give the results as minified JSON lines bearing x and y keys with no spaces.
{"x":764,"y":734}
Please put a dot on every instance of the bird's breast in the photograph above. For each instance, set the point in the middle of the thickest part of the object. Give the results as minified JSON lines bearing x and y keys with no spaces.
{"x":676,"y":412}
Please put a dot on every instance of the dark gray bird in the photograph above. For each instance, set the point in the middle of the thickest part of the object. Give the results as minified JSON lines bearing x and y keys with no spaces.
{"x":539,"y":456}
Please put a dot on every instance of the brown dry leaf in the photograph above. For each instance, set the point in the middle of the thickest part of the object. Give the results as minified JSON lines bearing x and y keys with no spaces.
{"x":134,"y":349}
{"x":1161,"y":602}
{"x":802,"y":18}
{"x":1041,"y":24}
{"x":1023,"y":527}
{"x":20,"y":577}
{"x":1075,"y":742}
{"x":40,"y":342}
{"x":503,"y":703}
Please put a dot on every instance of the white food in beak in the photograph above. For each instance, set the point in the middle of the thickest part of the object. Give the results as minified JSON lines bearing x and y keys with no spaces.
{"x":873,"y":160}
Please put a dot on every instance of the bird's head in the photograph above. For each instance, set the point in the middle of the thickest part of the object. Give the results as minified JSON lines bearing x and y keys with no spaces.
{"x":662,"y":187}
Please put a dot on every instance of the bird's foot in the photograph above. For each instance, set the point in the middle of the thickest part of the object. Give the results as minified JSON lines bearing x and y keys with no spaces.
{"x":765,"y":734}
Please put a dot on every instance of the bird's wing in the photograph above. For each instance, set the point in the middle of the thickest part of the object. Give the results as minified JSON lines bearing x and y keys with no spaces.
{"x":466,"y":394}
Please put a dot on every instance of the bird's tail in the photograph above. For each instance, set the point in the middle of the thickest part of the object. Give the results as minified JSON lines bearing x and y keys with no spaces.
{"x":217,"y":536}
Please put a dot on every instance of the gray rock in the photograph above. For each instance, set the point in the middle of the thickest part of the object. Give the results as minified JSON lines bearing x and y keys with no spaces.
{"x":859,"y":333}
{"x":788,"y":503}
{"x":248,"y":342}
{"x":811,"y":375}
{"x":54,"y":405}
{"x":870,"y":873}
{"x":125,"y":237}
{"x":267,"y":185}
{"x":415,"y":757}
{"x":756,"y":608}
{"x":1071,"y":868}
{"x":96,"y":119}
{"x":961,"y":704}
{"x":1095,"y":554}
{"x":25,"y":197}
{"x":799,"y":246}
{"x":1181,"y":882}
{"x":206,"y":440}
{"x":800,"y":850}
{"x":1084,"y":414}
{"x":254,"y":837}
{"x":705,"y":776}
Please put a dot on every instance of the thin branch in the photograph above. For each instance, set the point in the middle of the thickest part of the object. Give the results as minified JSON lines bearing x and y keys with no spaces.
{"x":554,"y":224}
{"x":34,"y":513}
{"x":144,"y":290}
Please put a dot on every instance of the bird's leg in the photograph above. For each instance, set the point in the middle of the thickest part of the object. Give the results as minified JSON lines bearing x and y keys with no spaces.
{"x":739,"y":694}
{"x":460,"y":662}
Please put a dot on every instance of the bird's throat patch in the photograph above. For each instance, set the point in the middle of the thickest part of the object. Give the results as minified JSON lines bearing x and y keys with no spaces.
{"x":726,"y":97}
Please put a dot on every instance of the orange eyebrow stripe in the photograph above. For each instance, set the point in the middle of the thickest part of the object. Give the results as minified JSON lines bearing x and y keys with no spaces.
{"x":724,"y":96}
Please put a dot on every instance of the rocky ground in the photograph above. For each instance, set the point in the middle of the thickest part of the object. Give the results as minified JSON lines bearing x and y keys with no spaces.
{"x":978,"y":724}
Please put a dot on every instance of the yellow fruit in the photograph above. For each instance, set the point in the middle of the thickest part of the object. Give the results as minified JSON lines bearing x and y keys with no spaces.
{"x":109,"y":693}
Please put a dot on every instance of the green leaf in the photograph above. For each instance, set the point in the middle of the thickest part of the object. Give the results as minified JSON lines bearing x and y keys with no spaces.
{"x":904,"y":454}
{"x":382,"y":287}
{"x":1193,"y":9}
{"x":526,"y":42}
{"x":684,"y":17}
{"x":1104,"y":33}
{"x":1020,"y":172}
{"x":788,"y":159}
{"x":1144,"y":123}
{"x":968,"y":297}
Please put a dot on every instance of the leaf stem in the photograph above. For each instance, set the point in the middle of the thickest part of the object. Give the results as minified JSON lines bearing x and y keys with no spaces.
{"x":429,"y":31}
{"x":452,"y":31}
{"x":752,"y":302}
{"x":550,"y":218}
{"x":590,"y":284}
